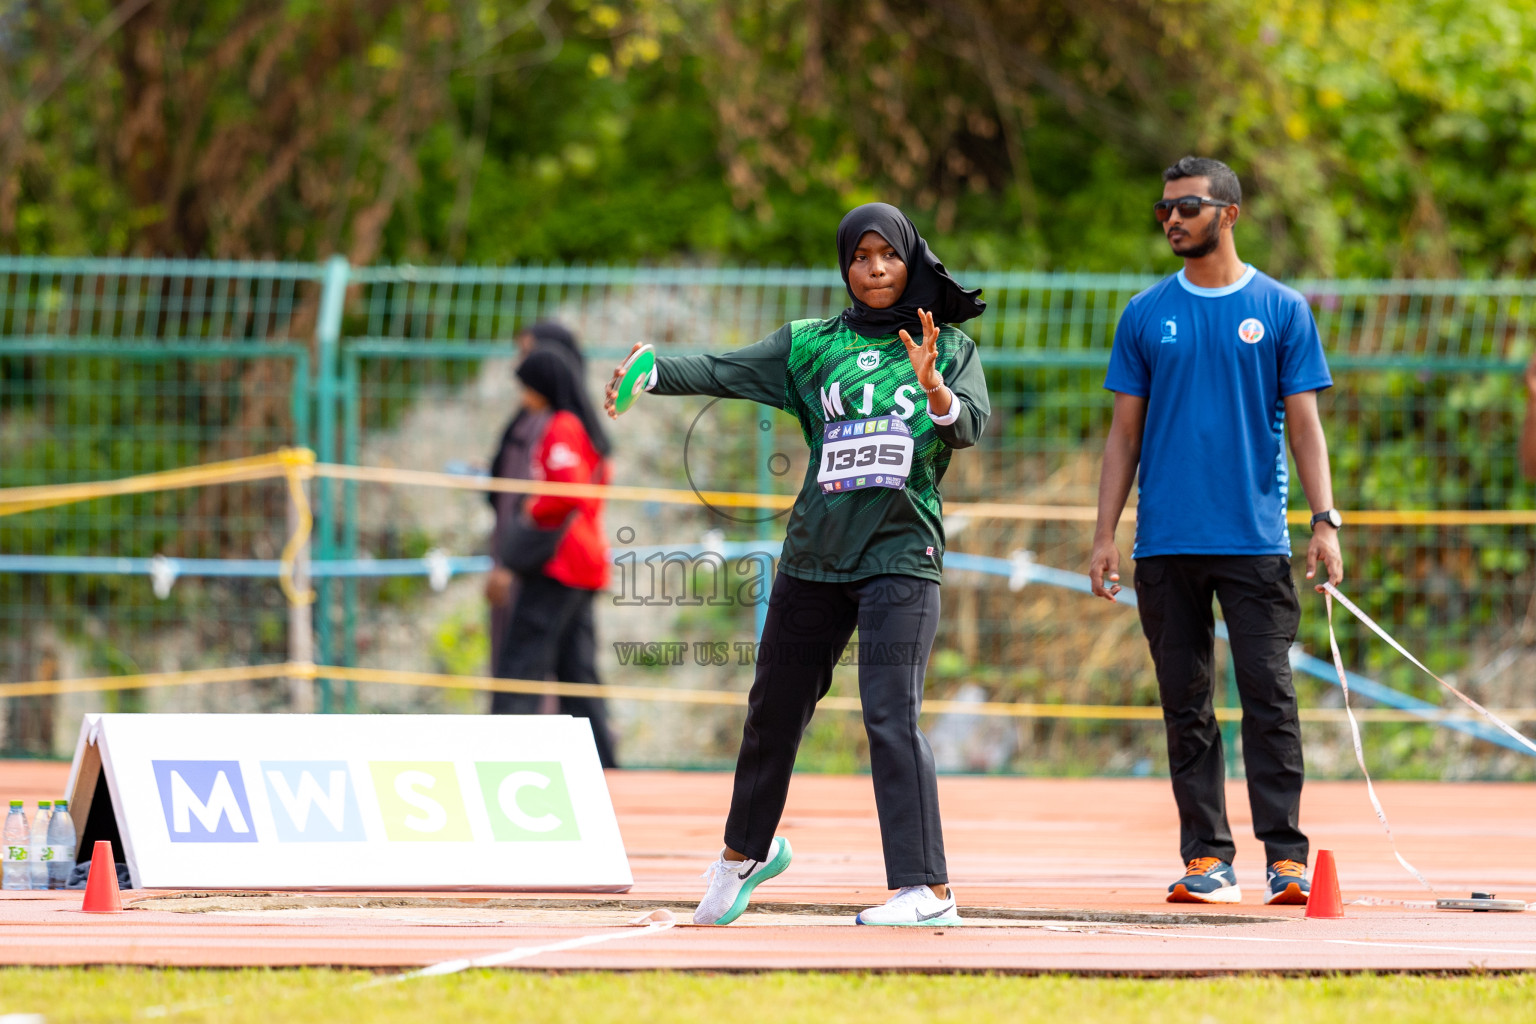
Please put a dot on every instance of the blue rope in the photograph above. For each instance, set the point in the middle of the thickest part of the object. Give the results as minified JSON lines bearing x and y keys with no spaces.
{"x":1017,"y":572}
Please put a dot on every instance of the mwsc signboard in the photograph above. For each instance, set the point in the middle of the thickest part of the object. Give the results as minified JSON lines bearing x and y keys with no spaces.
{"x":353,"y":801}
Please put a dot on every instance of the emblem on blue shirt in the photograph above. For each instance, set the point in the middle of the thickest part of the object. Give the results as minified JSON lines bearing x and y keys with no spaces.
{"x":1170,"y":330}
{"x":869,"y":360}
{"x":1251,"y":331}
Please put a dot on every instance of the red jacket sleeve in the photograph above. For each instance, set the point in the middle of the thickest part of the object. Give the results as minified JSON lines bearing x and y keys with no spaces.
{"x":564,"y":455}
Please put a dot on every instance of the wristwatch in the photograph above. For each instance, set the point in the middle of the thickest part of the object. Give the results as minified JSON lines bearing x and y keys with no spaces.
{"x":1331,"y":517}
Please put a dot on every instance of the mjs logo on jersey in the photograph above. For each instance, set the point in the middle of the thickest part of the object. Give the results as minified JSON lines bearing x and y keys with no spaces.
{"x":317,"y":801}
{"x":869,"y":360}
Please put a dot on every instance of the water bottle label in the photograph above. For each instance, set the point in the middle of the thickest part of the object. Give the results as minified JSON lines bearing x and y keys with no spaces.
{"x":15,"y":853}
{"x":58,"y":853}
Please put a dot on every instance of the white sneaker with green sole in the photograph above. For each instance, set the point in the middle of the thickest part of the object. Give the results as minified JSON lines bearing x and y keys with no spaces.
{"x":731,"y":883}
{"x":915,"y":907}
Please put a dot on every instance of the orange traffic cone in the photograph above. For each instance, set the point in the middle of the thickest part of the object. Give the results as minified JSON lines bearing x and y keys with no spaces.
{"x":101,"y":894}
{"x":1325,"y":900}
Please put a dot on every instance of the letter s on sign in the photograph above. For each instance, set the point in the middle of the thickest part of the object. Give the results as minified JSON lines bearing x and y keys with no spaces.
{"x":506,"y":797}
{"x":434,"y":816}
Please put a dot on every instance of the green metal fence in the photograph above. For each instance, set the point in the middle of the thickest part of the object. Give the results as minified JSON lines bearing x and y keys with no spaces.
{"x":115,"y":367}
{"x":112,"y":367}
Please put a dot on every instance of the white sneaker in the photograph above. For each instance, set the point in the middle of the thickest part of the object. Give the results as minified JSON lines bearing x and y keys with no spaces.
{"x":914,"y":905}
{"x":731,"y":883}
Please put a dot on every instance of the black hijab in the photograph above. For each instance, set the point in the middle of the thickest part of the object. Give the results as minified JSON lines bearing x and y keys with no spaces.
{"x":553,"y":374}
{"x":547,"y":332}
{"x":929,"y":286}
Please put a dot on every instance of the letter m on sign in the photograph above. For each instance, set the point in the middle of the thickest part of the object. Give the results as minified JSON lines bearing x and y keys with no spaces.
{"x":204,"y":801}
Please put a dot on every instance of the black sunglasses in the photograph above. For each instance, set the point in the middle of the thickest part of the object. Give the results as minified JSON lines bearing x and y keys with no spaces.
{"x":1188,"y":207}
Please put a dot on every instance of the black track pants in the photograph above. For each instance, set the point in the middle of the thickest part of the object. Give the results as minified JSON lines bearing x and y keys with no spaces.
{"x":1258,"y":601}
{"x":550,"y":634}
{"x":808,"y":626}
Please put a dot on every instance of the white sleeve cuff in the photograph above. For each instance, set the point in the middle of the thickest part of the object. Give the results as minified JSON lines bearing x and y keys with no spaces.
{"x":949,"y":417}
{"x":650,"y":381}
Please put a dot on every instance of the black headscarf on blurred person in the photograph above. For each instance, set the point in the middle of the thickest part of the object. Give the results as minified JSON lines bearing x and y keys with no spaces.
{"x":929,"y":286}
{"x":547,"y":332}
{"x":510,"y":460}
{"x":553,"y":374}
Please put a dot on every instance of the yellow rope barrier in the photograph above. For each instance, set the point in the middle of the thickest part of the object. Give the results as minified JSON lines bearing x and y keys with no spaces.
{"x":14,"y":500}
{"x":610,"y":492}
{"x":296,"y":461}
{"x":673,"y":695}
{"x":976,"y":509}
{"x":299,"y":464}
{"x":155,"y":680}
{"x":1430,"y":517}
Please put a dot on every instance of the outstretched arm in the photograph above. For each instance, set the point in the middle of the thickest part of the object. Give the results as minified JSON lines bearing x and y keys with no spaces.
{"x":1122,"y":454}
{"x":756,"y":373}
{"x":1310,"y":448}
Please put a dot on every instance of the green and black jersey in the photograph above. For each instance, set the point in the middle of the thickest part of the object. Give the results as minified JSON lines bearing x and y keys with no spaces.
{"x":824,"y":373}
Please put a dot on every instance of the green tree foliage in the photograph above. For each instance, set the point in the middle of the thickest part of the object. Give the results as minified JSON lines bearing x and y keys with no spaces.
{"x":215,"y":127}
{"x":1415,"y":119}
{"x":1375,"y":138}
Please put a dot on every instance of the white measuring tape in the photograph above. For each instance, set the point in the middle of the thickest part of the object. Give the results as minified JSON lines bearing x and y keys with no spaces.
{"x":1330,"y":592}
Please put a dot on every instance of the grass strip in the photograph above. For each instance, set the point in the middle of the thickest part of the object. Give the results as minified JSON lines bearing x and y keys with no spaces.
{"x":326,"y":996}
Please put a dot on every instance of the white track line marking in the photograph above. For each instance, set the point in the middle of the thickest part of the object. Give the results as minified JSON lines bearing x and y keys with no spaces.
{"x":526,"y":953}
{"x":654,"y":922}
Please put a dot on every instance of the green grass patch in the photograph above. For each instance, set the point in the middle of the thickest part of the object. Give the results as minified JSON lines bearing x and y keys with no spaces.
{"x":326,"y":996}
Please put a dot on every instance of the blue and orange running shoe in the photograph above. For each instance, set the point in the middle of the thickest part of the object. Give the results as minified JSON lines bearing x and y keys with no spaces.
{"x":1206,"y":880}
{"x":1288,"y":883}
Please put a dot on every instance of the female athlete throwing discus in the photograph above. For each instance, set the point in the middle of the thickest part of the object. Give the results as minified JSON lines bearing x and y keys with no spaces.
{"x":863,"y":548}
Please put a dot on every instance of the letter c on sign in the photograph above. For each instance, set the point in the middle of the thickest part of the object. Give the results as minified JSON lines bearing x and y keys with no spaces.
{"x":435,"y":817}
{"x":506,"y":796}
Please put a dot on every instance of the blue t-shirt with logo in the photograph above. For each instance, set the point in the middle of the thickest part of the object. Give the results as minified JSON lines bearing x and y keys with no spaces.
{"x":1215,"y":366}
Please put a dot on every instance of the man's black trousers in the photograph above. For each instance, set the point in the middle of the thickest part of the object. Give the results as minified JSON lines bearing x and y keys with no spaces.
{"x":1258,"y":601}
{"x":807,"y":627}
{"x":550,"y":634}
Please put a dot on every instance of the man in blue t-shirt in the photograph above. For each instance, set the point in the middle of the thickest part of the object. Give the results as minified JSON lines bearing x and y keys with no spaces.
{"x":1210,"y":369}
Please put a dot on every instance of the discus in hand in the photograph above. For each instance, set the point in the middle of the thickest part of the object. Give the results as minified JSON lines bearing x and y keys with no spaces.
{"x":633,"y":376}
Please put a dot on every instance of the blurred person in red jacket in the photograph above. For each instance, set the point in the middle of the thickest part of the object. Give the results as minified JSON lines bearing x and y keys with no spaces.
{"x":511,"y":461}
{"x":551,"y":627}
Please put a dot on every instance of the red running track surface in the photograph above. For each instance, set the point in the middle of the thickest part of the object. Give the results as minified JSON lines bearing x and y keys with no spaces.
{"x":1107,"y":846}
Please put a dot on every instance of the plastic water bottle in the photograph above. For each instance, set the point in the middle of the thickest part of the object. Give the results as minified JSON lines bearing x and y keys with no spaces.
{"x":15,"y":873}
{"x":61,"y":846}
{"x":38,"y":846}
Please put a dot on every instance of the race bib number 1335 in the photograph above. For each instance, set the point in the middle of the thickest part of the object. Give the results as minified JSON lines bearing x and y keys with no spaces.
{"x":865,"y":453}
